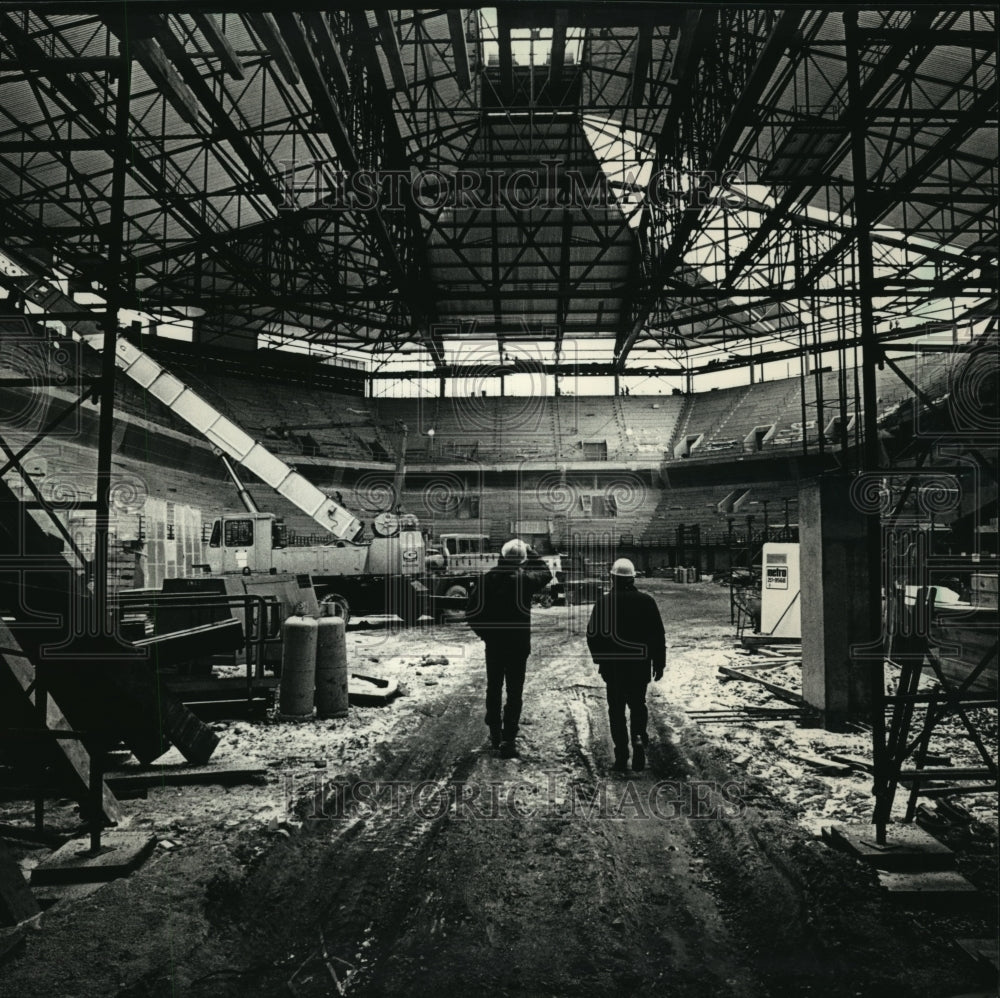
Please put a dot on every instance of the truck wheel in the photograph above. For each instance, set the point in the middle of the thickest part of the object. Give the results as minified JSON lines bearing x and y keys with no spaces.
{"x":456,"y":591}
{"x":343,"y":608}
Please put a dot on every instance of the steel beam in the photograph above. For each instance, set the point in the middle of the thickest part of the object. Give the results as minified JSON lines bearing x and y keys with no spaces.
{"x":557,"y":57}
{"x":700,"y":28}
{"x":65,"y":64}
{"x":594,"y":369}
{"x":416,"y":287}
{"x":105,"y":430}
{"x":506,"y":56}
{"x":28,"y":49}
{"x":328,"y":111}
{"x":870,"y":357}
{"x":319,"y":28}
{"x":390,"y":48}
{"x":456,"y":29}
{"x":640,"y":64}
{"x":923,"y":18}
{"x":151,"y":57}
{"x":267,"y":30}
{"x":216,"y":38}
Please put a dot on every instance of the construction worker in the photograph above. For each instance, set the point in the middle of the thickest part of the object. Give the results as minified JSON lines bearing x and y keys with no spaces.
{"x":626,"y":640}
{"x":500,"y":614}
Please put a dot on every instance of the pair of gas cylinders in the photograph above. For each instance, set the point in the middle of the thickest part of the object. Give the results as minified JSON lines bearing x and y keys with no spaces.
{"x":685,"y":574}
{"x":313,"y":668}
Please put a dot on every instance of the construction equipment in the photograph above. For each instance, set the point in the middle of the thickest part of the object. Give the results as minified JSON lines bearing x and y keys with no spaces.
{"x":231,"y":440}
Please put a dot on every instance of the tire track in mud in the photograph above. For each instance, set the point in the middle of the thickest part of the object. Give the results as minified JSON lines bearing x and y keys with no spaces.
{"x":570,"y":886}
{"x":600,"y":889}
{"x":343,"y":884}
{"x":576,"y":883}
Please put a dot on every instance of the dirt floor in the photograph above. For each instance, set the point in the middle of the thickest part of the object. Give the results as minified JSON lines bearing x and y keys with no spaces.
{"x":392,"y":852}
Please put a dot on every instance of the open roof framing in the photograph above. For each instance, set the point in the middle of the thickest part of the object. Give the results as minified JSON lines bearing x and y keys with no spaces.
{"x":246,"y":119}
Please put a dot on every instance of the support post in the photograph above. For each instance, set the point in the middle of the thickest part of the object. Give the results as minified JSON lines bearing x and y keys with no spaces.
{"x":870,"y":356}
{"x":837,"y":581}
{"x":106,"y":417}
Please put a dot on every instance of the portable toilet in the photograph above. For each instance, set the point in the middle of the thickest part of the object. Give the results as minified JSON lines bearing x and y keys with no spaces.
{"x":780,"y":601}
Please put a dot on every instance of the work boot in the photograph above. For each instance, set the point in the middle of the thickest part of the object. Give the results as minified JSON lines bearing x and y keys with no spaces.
{"x":508,"y":750}
{"x":638,"y":756}
{"x":495,"y":736}
{"x":621,"y":761}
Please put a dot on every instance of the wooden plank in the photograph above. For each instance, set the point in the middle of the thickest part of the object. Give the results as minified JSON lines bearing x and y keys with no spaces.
{"x":370,"y":690}
{"x":908,"y":848}
{"x":71,"y":750}
{"x":204,"y":688}
{"x":779,"y":691}
{"x":928,"y":885}
{"x":864,"y":765}
{"x":761,"y":666}
{"x":17,"y":903}
{"x":120,"y":853}
{"x":983,"y":951}
{"x":183,"y":776}
{"x":756,"y":641}
{"x":820,"y":764}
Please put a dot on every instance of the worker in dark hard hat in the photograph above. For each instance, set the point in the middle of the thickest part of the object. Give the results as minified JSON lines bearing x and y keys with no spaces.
{"x":626,"y":640}
{"x":500,"y":613}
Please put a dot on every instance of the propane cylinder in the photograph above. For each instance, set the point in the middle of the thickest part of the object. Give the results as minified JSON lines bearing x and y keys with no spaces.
{"x":298,"y":668}
{"x":331,"y":666}
{"x":692,"y":574}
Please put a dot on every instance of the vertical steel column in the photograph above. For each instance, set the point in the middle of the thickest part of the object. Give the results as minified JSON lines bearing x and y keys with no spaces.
{"x":862,"y":239}
{"x":869,"y":358}
{"x":106,"y":419}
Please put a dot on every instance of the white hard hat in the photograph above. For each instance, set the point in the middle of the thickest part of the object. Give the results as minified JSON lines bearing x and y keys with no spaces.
{"x":514,"y":550}
{"x":624,"y":568}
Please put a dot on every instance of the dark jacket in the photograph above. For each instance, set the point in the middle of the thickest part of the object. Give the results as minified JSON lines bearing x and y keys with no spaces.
{"x":625,"y":632}
{"x":500,"y":608}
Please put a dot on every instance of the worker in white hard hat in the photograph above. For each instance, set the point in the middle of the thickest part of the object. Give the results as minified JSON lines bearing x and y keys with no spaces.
{"x":500,"y":613}
{"x":626,"y":640}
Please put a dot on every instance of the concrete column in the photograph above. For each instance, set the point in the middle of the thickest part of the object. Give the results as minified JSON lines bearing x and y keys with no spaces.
{"x":838,"y":590}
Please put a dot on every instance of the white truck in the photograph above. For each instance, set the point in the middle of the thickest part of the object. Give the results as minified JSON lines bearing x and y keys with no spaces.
{"x":394,"y":572}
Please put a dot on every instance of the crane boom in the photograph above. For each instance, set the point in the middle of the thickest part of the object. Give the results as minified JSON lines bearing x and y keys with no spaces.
{"x":231,"y":439}
{"x":191,"y":407}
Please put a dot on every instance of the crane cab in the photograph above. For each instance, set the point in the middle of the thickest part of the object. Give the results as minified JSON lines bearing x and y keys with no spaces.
{"x":244,"y":542}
